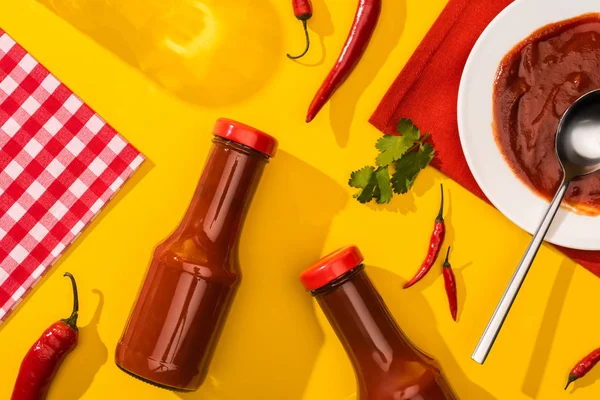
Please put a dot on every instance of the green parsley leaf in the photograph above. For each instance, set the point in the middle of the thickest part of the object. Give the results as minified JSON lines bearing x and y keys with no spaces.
{"x":384,"y":194}
{"x":366,"y":194}
{"x":361,"y":178}
{"x":376,"y":193}
{"x":365,"y":179}
{"x":399,"y":151}
{"x":407,"y":128}
{"x":426,"y":154}
{"x":392,"y":147}
{"x":374,"y":184}
{"x":409,"y":166}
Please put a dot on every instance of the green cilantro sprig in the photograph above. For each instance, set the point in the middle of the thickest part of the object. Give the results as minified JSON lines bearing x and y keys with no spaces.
{"x":401,"y":156}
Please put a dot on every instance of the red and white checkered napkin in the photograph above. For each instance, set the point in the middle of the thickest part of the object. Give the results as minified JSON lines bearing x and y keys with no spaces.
{"x":59,"y":164}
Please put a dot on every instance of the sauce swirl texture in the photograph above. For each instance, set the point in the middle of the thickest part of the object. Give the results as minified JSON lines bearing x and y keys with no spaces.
{"x":536,"y":82}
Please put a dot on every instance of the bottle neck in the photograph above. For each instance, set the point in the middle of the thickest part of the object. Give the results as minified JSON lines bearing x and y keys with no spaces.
{"x":362,"y":322}
{"x":217,"y":211}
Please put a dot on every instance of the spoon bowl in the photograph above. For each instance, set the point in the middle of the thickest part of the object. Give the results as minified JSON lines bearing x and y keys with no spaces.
{"x":578,"y":137}
{"x":578,"y":150}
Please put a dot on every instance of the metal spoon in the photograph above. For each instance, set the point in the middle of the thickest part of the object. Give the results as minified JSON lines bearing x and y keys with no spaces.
{"x":578,"y":150}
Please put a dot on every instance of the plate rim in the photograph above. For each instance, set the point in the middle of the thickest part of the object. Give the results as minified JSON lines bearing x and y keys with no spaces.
{"x":468,"y":70}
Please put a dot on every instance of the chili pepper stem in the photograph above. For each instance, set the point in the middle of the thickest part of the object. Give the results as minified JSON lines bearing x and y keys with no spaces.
{"x":440,"y":217}
{"x":446,"y":262}
{"x":572,"y":378}
{"x":72,"y":320}
{"x":305,"y":25}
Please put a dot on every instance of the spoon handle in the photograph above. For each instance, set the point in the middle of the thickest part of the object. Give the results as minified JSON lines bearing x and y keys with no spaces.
{"x":493,"y":328}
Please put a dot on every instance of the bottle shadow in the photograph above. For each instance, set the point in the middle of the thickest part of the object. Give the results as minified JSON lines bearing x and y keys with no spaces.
{"x":186,"y":46}
{"x":403,"y":303}
{"x":81,"y":366}
{"x":547,"y":332}
{"x":270,"y":341}
{"x":387,"y":35}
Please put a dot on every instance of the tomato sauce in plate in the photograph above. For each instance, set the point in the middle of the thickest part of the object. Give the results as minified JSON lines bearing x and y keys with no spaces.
{"x":536,"y":82}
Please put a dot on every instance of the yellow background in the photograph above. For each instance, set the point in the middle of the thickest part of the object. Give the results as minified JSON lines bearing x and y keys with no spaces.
{"x":276,"y":344}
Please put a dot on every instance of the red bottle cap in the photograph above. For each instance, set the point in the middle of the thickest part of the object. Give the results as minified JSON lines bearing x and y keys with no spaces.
{"x":331,"y":267}
{"x":246,"y":135}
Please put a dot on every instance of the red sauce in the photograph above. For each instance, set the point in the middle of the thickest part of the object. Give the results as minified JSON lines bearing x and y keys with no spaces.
{"x":387,"y":365}
{"x":180,"y":312}
{"x":536,"y":83}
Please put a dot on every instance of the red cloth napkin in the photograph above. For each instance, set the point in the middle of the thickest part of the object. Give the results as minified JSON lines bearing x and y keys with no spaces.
{"x":60,"y":163}
{"x":426,"y":91}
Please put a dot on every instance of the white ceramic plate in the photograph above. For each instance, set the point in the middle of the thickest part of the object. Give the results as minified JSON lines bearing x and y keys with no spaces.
{"x":475,"y":116}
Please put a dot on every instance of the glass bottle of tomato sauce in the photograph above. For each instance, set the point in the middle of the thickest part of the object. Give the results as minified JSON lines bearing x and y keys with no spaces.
{"x":387,"y":365}
{"x":177,"y":319}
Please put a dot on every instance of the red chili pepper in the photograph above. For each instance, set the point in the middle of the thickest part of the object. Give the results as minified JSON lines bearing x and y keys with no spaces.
{"x":45,"y":357}
{"x":450,"y":283}
{"x":362,"y":29}
{"x":303,"y":11}
{"x":584,"y":366}
{"x":435,"y":243}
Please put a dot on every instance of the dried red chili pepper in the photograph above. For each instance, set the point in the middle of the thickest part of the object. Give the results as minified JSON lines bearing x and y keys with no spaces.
{"x":450,"y":284}
{"x":45,"y":357}
{"x":362,"y":29}
{"x":584,"y":366}
{"x":303,"y":11}
{"x":435,"y":243}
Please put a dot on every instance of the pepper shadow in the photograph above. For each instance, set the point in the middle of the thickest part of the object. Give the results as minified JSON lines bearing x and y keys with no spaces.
{"x":461,"y":291}
{"x":590,"y":379}
{"x":186,"y":47}
{"x":320,"y":24}
{"x":430,"y":278}
{"x":386,"y":37}
{"x":270,"y":341}
{"x":80,"y":367}
{"x":547,"y":332}
{"x":402,"y":304}
{"x":405,"y":203}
